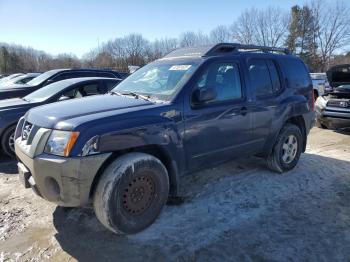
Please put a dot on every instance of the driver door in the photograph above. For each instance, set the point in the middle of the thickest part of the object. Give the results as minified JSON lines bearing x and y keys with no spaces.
{"x":220,"y":129}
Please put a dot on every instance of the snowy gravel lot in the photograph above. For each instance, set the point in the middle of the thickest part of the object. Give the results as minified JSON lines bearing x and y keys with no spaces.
{"x":238,"y":211}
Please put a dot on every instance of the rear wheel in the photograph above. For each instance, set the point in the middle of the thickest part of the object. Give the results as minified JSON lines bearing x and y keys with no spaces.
{"x":287,"y":149}
{"x":8,"y":141}
{"x":131,"y":193}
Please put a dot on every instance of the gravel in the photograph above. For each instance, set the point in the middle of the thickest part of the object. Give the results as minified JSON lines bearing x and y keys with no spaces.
{"x":238,"y":211}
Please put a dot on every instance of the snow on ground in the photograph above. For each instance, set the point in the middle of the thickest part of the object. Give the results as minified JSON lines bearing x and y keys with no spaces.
{"x":238,"y":211}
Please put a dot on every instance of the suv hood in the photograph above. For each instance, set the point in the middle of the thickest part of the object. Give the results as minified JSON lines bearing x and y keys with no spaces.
{"x":89,"y":107}
{"x":15,"y":86}
{"x":339,"y":75}
{"x":16,"y":104}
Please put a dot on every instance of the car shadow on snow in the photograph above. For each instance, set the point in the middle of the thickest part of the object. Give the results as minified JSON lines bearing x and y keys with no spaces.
{"x":344,"y":131}
{"x":237,"y":211}
{"x":8,"y":165}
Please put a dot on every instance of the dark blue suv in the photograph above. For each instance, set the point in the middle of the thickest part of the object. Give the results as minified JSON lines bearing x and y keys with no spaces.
{"x":126,"y":151}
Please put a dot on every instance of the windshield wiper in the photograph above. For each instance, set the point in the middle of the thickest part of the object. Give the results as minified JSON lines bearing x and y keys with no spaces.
{"x":115,"y":93}
{"x":137,"y":96}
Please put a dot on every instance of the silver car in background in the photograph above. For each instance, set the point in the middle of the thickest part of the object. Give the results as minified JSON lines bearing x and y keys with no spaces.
{"x":320,"y":84}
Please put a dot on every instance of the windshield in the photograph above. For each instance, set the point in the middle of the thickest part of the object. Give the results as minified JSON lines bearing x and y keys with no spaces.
{"x":8,"y":78}
{"x":316,"y":76}
{"x":41,"y":78}
{"x":47,"y":91}
{"x":159,"y":80}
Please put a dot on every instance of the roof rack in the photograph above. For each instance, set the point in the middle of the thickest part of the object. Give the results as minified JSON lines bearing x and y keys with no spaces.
{"x":224,"y":49}
{"x":235,"y":47}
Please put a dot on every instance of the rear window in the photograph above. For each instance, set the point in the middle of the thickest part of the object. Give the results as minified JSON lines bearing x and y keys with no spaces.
{"x":297,"y":74}
{"x":260,"y":77}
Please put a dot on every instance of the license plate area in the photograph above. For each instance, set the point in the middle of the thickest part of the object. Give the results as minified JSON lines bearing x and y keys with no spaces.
{"x":24,"y":175}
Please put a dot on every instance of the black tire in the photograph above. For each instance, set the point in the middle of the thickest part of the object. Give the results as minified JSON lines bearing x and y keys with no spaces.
{"x":320,"y":125}
{"x":6,"y":139}
{"x":131,"y":193}
{"x":276,"y":161}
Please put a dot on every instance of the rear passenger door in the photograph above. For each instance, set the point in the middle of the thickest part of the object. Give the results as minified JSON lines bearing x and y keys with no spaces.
{"x":264,"y":78}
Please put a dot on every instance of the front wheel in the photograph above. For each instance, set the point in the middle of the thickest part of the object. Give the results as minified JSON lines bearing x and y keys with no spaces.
{"x":8,"y":142}
{"x":287,"y":149}
{"x":131,"y":193}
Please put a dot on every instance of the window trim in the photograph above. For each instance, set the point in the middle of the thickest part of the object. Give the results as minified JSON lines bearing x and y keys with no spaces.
{"x":223,"y":102}
{"x":91,"y":82}
{"x":273,"y":94}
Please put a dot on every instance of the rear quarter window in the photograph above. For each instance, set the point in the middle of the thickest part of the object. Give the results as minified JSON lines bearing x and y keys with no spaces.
{"x":296,"y":73}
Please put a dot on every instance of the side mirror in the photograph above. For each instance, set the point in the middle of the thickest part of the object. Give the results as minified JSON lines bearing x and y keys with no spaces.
{"x":204,"y":95}
{"x":50,"y":81}
{"x":63,"y":98}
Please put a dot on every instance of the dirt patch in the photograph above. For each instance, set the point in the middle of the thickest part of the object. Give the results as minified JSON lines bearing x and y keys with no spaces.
{"x":236,"y":211}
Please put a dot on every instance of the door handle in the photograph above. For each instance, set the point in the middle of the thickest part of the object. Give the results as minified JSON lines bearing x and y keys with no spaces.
{"x":243,"y":111}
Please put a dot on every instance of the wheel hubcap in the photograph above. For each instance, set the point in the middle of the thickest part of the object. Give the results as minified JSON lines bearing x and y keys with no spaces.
{"x":12,"y":142}
{"x":290,"y":148}
{"x":139,"y":194}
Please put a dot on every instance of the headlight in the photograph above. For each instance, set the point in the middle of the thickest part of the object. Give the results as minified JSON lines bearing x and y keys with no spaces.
{"x":61,"y":142}
{"x":91,"y":147}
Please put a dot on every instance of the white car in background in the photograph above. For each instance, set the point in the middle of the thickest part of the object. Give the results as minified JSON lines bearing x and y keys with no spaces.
{"x":320,"y":84}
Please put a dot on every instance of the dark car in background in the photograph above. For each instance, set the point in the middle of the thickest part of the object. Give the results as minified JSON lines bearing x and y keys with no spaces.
{"x":333,"y":109}
{"x":126,"y":151}
{"x":12,"y":109}
{"x":20,"y":90}
{"x":9,"y":77}
{"x":3,"y":75}
{"x":21,"y":79}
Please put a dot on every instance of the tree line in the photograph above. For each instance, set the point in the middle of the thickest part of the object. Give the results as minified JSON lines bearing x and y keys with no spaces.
{"x":318,"y":32}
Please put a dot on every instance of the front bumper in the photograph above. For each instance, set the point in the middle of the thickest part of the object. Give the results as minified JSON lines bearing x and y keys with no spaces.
{"x":334,"y":118}
{"x":64,"y":181}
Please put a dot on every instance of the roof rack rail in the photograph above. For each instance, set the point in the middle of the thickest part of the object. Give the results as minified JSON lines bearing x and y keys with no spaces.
{"x":223,"y":48}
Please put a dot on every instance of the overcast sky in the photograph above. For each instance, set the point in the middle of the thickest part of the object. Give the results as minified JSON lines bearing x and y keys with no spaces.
{"x":76,"y":26}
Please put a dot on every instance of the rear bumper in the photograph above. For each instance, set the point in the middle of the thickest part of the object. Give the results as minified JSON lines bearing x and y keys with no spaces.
{"x":64,"y":181}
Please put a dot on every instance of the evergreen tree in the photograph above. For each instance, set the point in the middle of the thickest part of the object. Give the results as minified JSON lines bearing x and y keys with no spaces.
{"x":301,"y":38}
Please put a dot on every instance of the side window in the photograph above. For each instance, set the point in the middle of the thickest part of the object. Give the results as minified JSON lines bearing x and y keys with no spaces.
{"x":89,"y":89}
{"x":111,"y":84}
{"x":74,"y":93}
{"x":95,"y":74}
{"x":63,"y":76}
{"x":297,"y":75}
{"x":260,"y":77}
{"x":224,"y":78}
{"x":275,"y":79}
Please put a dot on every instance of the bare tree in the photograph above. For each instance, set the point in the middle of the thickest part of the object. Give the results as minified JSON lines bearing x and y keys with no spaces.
{"x":161,"y":47}
{"x":243,"y":30}
{"x":333,"y":30}
{"x":190,"y":38}
{"x":220,"y":34}
{"x":263,"y":27}
{"x":271,"y":27}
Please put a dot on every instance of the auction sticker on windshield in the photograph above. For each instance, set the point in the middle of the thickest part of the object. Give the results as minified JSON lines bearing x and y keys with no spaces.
{"x":180,"y":67}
